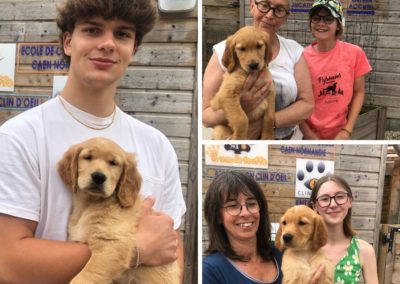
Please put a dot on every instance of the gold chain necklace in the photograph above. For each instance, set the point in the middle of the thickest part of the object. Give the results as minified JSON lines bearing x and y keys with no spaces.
{"x":84,"y":124}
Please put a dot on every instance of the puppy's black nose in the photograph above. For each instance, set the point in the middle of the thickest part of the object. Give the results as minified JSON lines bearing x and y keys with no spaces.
{"x":287,"y":238}
{"x":98,"y":178}
{"x":253,"y":66}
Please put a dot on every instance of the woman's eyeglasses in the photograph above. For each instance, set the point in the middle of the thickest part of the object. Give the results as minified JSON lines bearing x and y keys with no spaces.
{"x":265,"y":7}
{"x":328,"y":19}
{"x":236,"y":208}
{"x":340,"y":199}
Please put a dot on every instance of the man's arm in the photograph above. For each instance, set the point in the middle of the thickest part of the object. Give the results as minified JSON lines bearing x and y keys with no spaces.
{"x":25,"y":259}
{"x":181,"y":255}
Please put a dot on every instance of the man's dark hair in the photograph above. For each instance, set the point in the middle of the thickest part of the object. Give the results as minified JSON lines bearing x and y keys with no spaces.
{"x":141,"y":13}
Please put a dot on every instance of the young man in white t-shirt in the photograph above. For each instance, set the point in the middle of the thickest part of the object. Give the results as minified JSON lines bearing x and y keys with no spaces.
{"x":99,"y":38}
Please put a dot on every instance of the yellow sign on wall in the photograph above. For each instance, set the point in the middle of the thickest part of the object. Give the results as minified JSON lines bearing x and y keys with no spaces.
{"x":7,"y":67}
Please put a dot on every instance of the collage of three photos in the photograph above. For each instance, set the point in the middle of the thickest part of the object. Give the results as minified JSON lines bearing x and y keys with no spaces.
{"x":170,"y":141}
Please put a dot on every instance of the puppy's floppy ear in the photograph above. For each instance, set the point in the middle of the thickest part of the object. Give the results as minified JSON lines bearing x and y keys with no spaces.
{"x":229,"y":59}
{"x":278,"y":239}
{"x":268,"y":48}
{"x":129,"y":182}
{"x":320,"y":235}
{"x":68,"y":167}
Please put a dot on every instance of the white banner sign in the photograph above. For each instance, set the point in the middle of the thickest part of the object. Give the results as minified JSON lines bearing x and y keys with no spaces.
{"x":237,"y":155}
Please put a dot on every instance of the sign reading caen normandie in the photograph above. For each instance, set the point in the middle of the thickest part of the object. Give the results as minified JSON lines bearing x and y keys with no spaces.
{"x":362,"y":7}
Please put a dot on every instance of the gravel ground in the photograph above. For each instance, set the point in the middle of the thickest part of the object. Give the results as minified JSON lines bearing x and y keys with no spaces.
{"x":392,"y":135}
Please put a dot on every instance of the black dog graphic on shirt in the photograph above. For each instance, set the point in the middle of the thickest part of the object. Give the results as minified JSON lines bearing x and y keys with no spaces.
{"x":331,"y":90}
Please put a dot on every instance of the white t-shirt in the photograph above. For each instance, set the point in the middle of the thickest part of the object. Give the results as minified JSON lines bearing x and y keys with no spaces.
{"x":32,"y":143}
{"x":282,"y":71}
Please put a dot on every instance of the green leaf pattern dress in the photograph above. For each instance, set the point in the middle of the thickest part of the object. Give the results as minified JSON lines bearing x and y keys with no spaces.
{"x":348,"y":270}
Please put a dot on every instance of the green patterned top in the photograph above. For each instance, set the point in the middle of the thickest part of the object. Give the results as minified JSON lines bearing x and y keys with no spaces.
{"x":348,"y":269}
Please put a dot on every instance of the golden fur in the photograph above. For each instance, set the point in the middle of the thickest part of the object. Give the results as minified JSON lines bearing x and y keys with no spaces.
{"x":301,"y":234}
{"x":105,"y":183}
{"x":247,"y":51}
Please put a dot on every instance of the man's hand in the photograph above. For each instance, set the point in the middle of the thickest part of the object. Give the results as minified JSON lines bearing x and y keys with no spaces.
{"x":156,"y":238}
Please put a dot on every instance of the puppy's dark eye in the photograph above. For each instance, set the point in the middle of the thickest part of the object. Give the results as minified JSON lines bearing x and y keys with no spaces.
{"x":259,"y":45}
{"x":301,"y":223}
{"x":283,"y":222}
{"x":242,"y":49}
{"x":87,"y":157}
{"x":113,"y":163}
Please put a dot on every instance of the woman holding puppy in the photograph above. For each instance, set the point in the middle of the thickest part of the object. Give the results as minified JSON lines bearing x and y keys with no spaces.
{"x":239,"y":229}
{"x":294,"y":101}
{"x":337,"y":71}
{"x":332,"y":199}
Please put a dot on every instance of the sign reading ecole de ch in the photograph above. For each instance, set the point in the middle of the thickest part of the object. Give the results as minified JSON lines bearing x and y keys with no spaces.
{"x":361,"y":7}
{"x":41,"y":58}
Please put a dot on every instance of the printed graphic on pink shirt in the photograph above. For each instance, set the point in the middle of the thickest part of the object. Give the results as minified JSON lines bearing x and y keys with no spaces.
{"x":330,"y":86}
{"x":332,"y":94}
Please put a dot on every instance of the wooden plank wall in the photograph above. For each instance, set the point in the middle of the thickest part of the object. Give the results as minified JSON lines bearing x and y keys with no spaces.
{"x":158,"y":88}
{"x":377,"y":34}
{"x":221,"y":18}
{"x":391,"y":194}
{"x":362,"y":166}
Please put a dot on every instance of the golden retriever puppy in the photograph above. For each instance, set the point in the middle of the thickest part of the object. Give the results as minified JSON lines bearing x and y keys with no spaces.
{"x":105,"y":183}
{"x":301,"y":234}
{"x":247,"y":51}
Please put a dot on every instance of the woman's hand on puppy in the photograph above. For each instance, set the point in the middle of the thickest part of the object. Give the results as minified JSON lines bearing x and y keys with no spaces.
{"x":157,"y":240}
{"x":252,"y":93}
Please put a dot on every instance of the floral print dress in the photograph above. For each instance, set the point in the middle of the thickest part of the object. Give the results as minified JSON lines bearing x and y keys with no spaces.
{"x":348,"y":269}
